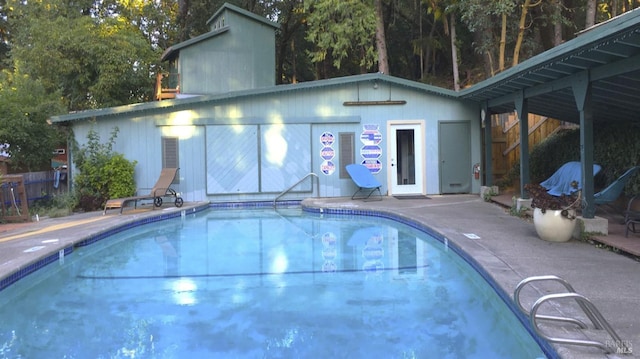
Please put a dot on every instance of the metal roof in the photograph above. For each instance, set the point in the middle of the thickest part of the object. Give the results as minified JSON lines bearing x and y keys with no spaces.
{"x":610,"y":54}
{"x":241,"y":11}
{"x":173,"y":50}
{"x":185,"y":103}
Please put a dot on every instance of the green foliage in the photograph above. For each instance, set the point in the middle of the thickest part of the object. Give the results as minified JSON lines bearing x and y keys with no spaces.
{"x":616,"y":149}
{"x":484,"y":17}
{"x":511,"y":177}
{"x":103,"y":173}
{"x":120,"y":171}
{"x":489,"y":193}
{"x":515,"y":211}
{"x":557,"y":149}
{"x":342,"y":29}
{"x":93,"y":62}
{"x":26,"y":106}
{"x":55,"y":206}
{"x":105,"y":53}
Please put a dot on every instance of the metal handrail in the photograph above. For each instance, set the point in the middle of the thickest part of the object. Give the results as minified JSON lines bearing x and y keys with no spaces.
{"x":310,"y":235}
{"x":598,"y":322}
{"x":297,"y":183}
{"x":585,"y":304}
{"x":524,"y":282}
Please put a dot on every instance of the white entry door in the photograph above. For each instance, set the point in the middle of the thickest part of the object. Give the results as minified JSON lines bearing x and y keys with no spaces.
{"x":406,"y":158}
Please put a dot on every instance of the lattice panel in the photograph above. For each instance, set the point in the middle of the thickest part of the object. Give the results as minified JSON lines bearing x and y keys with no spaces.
{"x":285,"y":157}
{"x":232,"y":159}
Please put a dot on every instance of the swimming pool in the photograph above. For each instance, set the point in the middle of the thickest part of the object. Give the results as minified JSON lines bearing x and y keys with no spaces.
{"x":261,"y":284}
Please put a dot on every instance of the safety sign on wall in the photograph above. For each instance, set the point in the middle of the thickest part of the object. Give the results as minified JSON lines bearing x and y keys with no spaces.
{"x":327,"y":153}
{"x":371,"y":152}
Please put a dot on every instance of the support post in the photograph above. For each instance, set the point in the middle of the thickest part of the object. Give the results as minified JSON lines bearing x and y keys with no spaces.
{"x":485,"y":115}
{"x":581,"y":86}
{"x":522,"y":109}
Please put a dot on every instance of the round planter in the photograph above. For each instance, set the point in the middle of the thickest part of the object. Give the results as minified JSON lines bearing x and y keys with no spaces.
{"x":552,"y":226}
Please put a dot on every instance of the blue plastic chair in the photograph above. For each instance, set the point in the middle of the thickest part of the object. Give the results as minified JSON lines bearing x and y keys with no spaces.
{"x":362,"y":177}
{"x":614,"y":190}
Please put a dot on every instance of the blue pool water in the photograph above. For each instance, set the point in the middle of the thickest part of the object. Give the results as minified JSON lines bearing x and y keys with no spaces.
{"x":261,"y":284}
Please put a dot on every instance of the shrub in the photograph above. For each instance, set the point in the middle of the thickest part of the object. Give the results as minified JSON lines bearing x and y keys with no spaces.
{"x":616,"y":149}
{"x":119,"y":174}
{"x":55,"y":206}
{"x":103,"y":174}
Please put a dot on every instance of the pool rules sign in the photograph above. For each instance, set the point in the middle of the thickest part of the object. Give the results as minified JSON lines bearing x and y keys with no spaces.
{"x":371,"y":151}
{"x":327,"y":153}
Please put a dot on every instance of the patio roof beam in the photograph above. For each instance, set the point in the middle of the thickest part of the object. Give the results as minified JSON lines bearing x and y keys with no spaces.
{"x":601,"y":72}
{"x":630,"y":64}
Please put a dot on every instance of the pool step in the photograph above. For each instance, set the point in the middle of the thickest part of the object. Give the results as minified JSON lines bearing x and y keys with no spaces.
{"x":571,"y":331}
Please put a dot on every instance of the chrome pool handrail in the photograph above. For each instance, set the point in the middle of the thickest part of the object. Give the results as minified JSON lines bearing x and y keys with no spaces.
{"x":585,"y":304}
{"x":297,"y":183}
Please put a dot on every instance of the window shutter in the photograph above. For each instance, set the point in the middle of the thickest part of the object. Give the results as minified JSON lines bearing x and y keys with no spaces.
{"x":170,"y":154}
{"x":347,"y":151}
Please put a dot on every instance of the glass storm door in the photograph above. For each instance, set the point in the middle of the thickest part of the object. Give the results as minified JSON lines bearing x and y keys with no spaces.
{"x":406,"y":165}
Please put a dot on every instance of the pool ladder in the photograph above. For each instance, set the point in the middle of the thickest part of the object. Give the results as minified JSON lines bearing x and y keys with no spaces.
{"x":620,"y":346}
{"x":311,"y":174}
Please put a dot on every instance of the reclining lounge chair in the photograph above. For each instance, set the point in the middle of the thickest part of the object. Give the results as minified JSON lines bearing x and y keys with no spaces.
{"x":363,"y":178}
{"x":159,"y":190}
{"x":614,"y":190}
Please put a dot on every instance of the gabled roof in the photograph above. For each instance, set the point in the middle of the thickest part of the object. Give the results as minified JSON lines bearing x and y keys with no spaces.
{"x":242,"y":12}
{"x":178,"y":104}
{"x":172,"y":51}
{"x":609,"y":53}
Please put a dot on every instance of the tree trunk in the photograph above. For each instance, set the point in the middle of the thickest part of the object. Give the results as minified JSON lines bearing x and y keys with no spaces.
{"x":523,"y":19}
{"x":422,"y":50}
{"x":557,"y":24}
{"x":428,"y":52}
{"x":294,"y":64}
{"x":381,"y":42}
{"x":591,"y":14}
{"x":289,"y":26}
{"x":454,"y":54}
{"x":183,"y":12}
{"x":503,"y":43}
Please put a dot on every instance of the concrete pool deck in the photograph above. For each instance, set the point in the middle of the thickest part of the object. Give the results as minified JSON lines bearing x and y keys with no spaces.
{"x":505,"y":246}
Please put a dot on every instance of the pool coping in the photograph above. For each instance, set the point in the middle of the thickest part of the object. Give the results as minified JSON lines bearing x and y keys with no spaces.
{"x":36,"y":251}
{"x":443,"y":213}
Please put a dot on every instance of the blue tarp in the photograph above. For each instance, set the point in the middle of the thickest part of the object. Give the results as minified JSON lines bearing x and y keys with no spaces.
{"x":560,"y":182}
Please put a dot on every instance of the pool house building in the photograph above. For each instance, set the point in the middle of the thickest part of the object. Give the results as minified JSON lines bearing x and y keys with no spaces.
{"x":236,"y":135}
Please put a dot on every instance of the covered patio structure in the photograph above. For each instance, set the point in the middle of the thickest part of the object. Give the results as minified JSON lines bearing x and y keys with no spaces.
{"x":593,"y":78}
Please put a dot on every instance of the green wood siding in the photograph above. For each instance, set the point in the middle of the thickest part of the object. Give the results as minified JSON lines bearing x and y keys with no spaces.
{"x":224,"y":144}
{"x":239,"y":59}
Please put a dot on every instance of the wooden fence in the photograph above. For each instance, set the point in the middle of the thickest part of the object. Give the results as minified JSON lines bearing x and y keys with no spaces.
{"x":31,"y":186}
{"x":505,"y":132}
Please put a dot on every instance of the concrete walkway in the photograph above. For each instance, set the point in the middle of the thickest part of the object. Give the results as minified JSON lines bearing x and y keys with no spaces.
{"x":615,"y":237}
{"x":507,"y":247}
